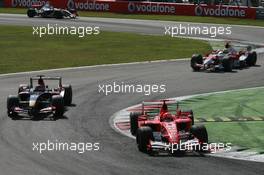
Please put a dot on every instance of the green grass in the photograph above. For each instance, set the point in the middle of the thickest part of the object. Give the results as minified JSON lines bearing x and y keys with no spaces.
{"x":248,"y":135}
{"x":237,"y":104}
{"x":199,"y":19}
{"x":22,"y":51}
{"x":244,"y":103}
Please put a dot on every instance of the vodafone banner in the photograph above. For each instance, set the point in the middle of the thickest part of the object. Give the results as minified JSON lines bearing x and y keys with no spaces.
{"x":143,"y":7}
{"x":29,"y":3}
{"x":225,"y":11}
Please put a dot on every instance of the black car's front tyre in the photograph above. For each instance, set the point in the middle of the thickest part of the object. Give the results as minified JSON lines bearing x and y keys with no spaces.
{"x":57,"y":102}
{"x":58,"y":14}
{"x":31,"y":13}
{"x":12,"y":102}
{"x":144,"y":136}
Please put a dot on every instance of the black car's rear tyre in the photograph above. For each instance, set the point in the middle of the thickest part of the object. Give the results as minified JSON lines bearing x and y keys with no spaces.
{"x":144,"y":135}
{"x":31,"y":13}
{"x":57,"y":102}
{"x":67,"y":95}
{"x":12,"y":102}
{"x":196,"y":59}
{"x":134,"y":122}
{"x":58,"y":14}
{"x":227,"y":64}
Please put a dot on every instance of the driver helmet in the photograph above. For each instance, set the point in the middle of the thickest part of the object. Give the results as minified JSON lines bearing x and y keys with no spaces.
{"x":166,"y":115}
{"x":41,"y":82}
{"x":227,"y":45}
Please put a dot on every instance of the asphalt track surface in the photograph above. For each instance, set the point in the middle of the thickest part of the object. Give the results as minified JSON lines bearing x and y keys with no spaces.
{"x":239,"y":33}
{"x":88,"y":121}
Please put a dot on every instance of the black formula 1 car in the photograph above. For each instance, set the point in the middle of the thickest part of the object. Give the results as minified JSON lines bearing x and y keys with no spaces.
{"x":40,"y":101}
{"x":48,"y":11}
{"x":223,"y":60}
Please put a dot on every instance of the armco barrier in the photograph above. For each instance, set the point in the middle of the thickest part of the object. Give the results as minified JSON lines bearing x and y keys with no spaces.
{"x":144,"y":8}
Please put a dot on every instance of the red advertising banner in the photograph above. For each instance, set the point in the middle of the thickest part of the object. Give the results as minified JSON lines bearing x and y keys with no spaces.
{"x":143,"y":7}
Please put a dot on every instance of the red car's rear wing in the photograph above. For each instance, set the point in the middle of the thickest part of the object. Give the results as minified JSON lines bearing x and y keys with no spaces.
{"x":148,"y":106}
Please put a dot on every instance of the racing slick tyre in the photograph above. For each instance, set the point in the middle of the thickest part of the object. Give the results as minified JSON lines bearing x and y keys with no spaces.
{"x":67,"y":95}
{"x":191,"y":114}
{"x":144,"y":135}
{"x":12,"y":102}
{"x":228,"y":65}
{"x":252,"y":59}
{"x":200,"y":132}
{"x":134,"y":122}
{"x":242,"y":64}
{"x":57,"y":102}
{"x":58,"y":14}
{"x":31,"y":13}
{"x":196,"y":59}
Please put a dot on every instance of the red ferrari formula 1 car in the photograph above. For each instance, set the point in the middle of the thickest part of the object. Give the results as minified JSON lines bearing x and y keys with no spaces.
{"x":224,"y":60}
{"x":166,"y":132}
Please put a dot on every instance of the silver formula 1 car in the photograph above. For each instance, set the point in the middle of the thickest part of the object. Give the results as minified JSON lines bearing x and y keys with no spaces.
{"x":40,"y":101}
{"x":223,"y":60}
{"x":48,"y":11}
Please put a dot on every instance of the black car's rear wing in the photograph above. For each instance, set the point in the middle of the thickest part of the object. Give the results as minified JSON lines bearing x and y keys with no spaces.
{"x":38,"y":77}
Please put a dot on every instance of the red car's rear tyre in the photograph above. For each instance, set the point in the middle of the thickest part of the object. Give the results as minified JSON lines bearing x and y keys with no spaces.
{"x":191,"y":114}
{"x":134,"y":122}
